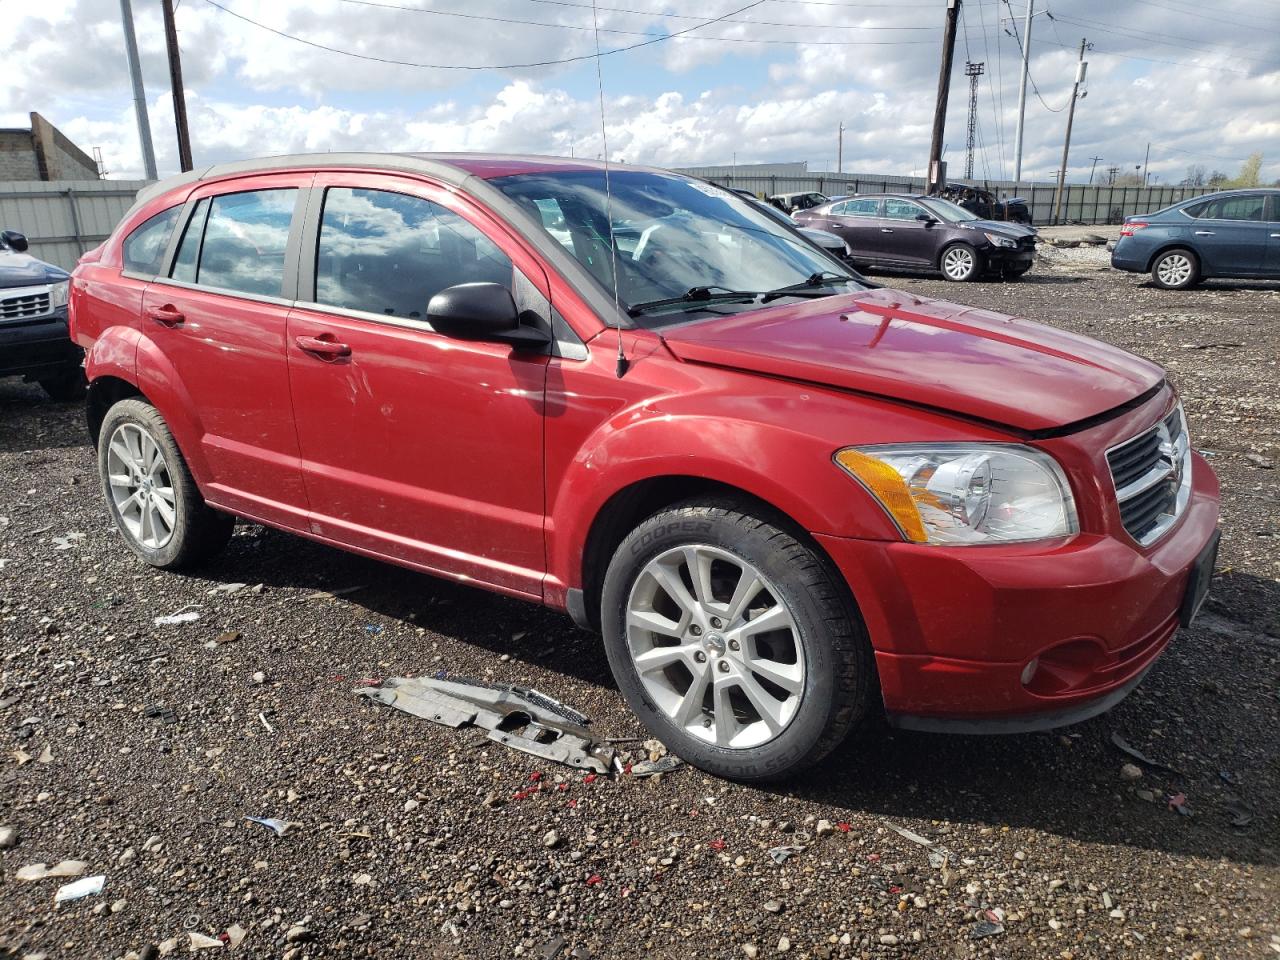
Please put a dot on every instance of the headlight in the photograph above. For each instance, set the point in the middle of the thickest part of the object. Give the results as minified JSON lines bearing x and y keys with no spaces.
{"x":58,"y":294}
{"x":999,"y":241}
{"x":966,"y":493}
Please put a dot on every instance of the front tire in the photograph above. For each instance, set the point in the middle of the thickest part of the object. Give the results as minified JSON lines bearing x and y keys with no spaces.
{"x":150,"y":492}
{"x":733,"y":641}
{"x":960,"y":263}
{"x":1176,"y":270}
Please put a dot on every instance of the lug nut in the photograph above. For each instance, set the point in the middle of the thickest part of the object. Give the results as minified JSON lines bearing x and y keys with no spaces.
{"x":696,"y":630}
{"x":734,"y":645}
{"x":717,"y":622}
{"x":724,"y":666}
{"x":700,"y":657}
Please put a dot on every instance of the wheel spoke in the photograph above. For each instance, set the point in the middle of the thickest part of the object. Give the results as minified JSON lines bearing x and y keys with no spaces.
{"x":775,"y":618}
{"x":770,"y":710}
{"x":121,"y":451}
{"x":690,"y":707}
{"x":788,"y":676}
{"x":660,"y":657}
{"x":726,"y":723}
{"x":144,"y":522}
{"x":749,"y":586}
{"x":120,"y":480}
{"x":165,"y":512}
{"x":699,"y":564}
{"x":656,"y":623}
{"x":669,"y":580}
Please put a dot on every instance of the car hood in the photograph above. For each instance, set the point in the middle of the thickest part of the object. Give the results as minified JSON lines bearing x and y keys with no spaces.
{"x":1001,"y":228}
{"x":931,"y":353}
{"x":23,"y":270}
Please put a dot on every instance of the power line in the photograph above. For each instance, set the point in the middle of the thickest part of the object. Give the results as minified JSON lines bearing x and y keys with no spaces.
{"x":576,"y":59}
{"x":998,"y":88}
{"x":1014,"y":24}
{"x":1120,"y":31}
{"x":632,"y":33}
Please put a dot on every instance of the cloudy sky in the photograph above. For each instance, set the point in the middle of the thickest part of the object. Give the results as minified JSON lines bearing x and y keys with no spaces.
{"x":1198,"y":79}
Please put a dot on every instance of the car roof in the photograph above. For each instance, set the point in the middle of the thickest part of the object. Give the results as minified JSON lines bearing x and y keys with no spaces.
{"x":1231,"y":193}
{"x":453,"y":168}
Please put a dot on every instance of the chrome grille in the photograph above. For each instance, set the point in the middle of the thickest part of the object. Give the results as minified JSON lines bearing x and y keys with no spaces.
{"x":22,"y":303}
{"x":1152,"y":475}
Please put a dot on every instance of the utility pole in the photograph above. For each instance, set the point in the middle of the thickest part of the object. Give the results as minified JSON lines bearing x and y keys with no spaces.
{"x":937,"y":172}
{"x":139,"y":94}
{"x":973,"y":71}
{"x":840,"y":148}
{"x":1082,"y":68}
{"x":1094,"y":168}
{"x":1022,"y":93}
{"x":1145,"y":161}
{"x":175,"y":84}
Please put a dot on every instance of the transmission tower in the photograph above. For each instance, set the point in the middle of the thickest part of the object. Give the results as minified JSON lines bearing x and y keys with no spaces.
{"x":973,"y":71}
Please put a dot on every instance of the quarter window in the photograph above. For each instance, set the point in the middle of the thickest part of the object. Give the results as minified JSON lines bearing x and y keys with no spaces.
{"x":243,"y":244}
{"x":390,"y":253}
{"x":144,"y":248}
{"x":184,"y":264}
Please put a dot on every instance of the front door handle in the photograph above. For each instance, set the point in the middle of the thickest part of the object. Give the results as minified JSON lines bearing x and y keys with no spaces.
{"x":323,"y":346}
{"x":1275,"y":236}
{"x":168,"y":315}
{"x":1204,"y":233}
{"x":885,"y":230}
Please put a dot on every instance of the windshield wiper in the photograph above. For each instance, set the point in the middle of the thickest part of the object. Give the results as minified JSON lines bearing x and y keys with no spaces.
{"x":695,"y":295}
{"x":805,"y":287}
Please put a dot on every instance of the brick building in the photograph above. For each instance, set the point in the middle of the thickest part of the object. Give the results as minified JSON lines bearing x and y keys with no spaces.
{"x":42,"y":152}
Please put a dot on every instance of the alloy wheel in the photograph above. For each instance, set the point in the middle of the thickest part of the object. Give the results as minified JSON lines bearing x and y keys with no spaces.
{"x":1175,"y":269}
{"x":141,"y":486}
{"x":715,"y":646}
{"x":957,"y":263}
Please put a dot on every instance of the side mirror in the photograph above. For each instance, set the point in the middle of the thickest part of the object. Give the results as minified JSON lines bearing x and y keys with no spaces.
{"x":14,"y":240}
{"x":926,"y":219}
{"x":482,"y":311}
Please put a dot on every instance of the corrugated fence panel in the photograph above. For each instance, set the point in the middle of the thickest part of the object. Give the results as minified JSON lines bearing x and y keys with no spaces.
{"x":64,"y":218}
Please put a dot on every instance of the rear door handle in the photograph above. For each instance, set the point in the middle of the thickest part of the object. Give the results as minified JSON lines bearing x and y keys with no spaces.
{"x":324,"y":346}
{"x":1204,"y":233}
{"x":168,"y":315}
{"x":1275,"y":236}
{"x":885,"y":230}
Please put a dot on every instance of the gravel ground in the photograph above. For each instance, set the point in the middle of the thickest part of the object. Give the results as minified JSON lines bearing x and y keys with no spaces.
{"x":419,"y":841}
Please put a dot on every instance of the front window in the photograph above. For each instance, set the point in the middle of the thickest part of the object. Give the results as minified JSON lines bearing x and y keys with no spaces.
{"x":948,"y":211}
{"x":676,"y":239}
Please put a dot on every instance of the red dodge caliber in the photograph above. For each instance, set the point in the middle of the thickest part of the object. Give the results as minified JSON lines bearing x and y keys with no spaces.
{"x":785,"y":497}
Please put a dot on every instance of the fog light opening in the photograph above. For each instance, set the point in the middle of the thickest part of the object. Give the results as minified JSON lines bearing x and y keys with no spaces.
{"x":1029,"y":671}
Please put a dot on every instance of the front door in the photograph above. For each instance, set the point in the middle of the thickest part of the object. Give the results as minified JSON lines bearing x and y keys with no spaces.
{"x":1232,"y":235}
{"x":416,"y":446}
{"x":903,"y":238}
{"x":217,"y":322}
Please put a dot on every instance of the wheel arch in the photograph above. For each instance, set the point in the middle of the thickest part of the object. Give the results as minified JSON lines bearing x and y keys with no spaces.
{"x":955,"y":242}
{"x":631,"y":505}
{"x":104,"y":393}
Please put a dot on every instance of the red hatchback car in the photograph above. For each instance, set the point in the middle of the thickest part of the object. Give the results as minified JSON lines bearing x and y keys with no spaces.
{"x":785,"y":498}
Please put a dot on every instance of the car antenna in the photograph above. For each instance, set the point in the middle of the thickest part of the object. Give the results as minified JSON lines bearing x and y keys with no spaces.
{"x":608,"y":196}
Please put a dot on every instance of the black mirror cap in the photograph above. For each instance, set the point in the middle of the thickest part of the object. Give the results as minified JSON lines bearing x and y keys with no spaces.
{"x":925,"y":218}
{"x":482,"y":311}
{"x":14,"y":241}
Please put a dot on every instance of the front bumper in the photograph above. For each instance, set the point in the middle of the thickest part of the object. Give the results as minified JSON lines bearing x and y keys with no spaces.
{"x":38,"y":348}
{"x":954,"y":628}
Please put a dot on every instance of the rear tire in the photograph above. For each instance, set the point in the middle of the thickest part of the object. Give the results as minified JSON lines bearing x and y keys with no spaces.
{"x":1176,"y":269}
{"x":960,"y":263}
{"x":66,"y":387}
{"x":746,"y":704}
{"x":150,"y":491}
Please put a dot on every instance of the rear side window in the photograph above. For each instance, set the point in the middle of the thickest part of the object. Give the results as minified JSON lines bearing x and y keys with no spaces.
{"x":1197,"y":210}
{"x":144,"y":248}
{"x":1238,"y":208}
{"x":900,"y":210}
{"x":861,"y":208}
{"x":244,"y":242}
{"x":390,"y":253}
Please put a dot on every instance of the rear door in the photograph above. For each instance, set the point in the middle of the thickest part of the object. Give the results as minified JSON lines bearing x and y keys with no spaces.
{"x":416,"y":445}
{"x":903,"y":238}
{"x":214,"y":343}
{"x":857,"y":223}
{"x":1231,"y":235}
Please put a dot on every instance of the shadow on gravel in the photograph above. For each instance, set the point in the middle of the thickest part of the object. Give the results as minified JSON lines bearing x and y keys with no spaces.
{"x":887,"y":277}
{"x":25,"y":404}
{"x":1203,"y":710}
{"x":1219,"y":286}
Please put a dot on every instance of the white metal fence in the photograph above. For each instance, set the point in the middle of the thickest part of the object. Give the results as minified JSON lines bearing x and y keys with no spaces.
{"x":1081,"y":203}
{"x":64,"y":218}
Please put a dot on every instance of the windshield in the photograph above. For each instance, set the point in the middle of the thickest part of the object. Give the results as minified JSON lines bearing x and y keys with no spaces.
{"x":948,"y":211}
{"x":677,"y":240}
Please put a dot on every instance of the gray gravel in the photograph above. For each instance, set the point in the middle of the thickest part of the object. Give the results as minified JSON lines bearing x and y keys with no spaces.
{"x":149,"y":745}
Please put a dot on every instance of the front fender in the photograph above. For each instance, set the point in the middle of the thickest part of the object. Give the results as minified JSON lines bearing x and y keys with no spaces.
{"x":787,"y":468}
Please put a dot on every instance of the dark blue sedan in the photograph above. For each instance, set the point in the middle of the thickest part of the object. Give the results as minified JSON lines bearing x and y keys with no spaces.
{"x":1234,"y":234}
